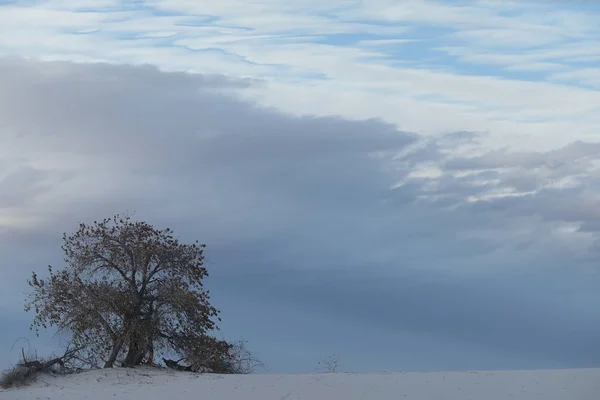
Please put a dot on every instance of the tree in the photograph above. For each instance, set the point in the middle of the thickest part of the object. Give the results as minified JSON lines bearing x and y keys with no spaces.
{"x":128,"y":291}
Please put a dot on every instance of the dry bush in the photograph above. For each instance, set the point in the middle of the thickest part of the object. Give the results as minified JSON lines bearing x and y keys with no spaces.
{"x":242,"y":361}
{"x":16,"y":376}
{"x":217,"y":356}
{"x":26,"y":371}
{"x":330,"y":363}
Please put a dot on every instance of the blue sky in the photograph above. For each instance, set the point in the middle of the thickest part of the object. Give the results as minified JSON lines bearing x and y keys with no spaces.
{"x":410,"y":185}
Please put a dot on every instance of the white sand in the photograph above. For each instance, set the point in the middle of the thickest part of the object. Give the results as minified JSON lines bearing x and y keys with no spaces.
{"x":154,"y":384}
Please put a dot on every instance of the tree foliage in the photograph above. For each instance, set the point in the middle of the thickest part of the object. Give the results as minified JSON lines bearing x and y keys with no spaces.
{"x":127,"y":292}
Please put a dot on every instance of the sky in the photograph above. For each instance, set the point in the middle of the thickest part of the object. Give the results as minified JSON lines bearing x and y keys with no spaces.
{"x":412,"y":186}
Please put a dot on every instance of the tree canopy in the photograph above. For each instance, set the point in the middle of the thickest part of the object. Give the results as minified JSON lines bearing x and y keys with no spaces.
{"x":129,"y":291}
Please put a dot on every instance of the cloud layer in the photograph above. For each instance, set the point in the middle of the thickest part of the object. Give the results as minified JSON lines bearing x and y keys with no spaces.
{"x":394,"y":249}
{"x":505,"y":67}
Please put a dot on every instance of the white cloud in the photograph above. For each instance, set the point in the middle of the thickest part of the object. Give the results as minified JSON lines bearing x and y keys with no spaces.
{"x":507,"y":38}
{"x":294,"y":48}
{"x":384,"y":42}
{"x":584,"y":76}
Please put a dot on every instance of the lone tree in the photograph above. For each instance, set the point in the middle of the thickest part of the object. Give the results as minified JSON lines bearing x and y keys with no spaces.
{"x":129,"y":291}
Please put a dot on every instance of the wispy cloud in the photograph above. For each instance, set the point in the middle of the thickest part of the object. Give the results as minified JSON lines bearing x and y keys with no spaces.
{"x":584,"y":76}
{"x":470,"y":64}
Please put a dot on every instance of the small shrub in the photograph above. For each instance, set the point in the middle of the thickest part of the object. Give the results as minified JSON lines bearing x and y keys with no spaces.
{"x":219,"y":357}
{"x":17,"y":376}
{"x":241,"y":360}
{"x":24,"y":373}
{"x":27,"y":371}
{"x":330,"y":363}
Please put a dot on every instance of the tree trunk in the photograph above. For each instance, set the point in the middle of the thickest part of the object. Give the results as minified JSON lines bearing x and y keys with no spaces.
{"x":114,"y":354}
{"x":150,"y":359}
{"x":132,"y":352}
{"x":137,"y":350}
